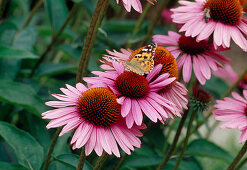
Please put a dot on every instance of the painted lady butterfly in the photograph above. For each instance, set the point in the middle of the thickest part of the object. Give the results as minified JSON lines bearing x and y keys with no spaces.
{"x":142,"y":63}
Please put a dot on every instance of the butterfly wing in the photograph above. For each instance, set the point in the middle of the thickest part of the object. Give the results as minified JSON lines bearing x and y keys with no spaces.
{"x":142,"y":63}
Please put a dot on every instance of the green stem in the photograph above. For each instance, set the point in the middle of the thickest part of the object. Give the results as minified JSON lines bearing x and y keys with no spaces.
{"x":155,"y":21}
{"x":238,"y":157}
{"x":97,"y":18}
{"x":54,"y":40}
{"x":101,"y":161}
{"x":175,"y":140}
{"x":167,"y":136}
{"x":120,"y":162}
{"x":2,"y":7}
{"x":164,"y":3}
{"x":34,"y":10}
{"x":241,"y":164}
{"x":82,"y":159}
{"x":186,"y":139}
{"x":139,"y":23}
{"x":51,"y":148}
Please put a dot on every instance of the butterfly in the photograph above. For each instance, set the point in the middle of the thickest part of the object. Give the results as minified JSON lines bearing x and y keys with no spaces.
{"x":143,"y":62}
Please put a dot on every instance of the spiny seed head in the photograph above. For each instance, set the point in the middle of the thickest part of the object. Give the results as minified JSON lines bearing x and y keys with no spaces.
{"x":200,"y":98}
{"x":226,"y":11}
{"x":132,"y":85}
{"x":99,"y":106}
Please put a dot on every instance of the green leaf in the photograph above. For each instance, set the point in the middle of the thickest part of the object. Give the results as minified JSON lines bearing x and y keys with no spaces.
{"x":204,"y":148}
{"x":67,"y":162}
{"x":26,"y":38}
{"x":57,"y":12}
{"x":9,"y":166}
{"x":216,"y":86}
{"x":21,"y":95}
{"x":68,"y":49}
{"x":51,"y":69}
{"x":7,"y":33}
{"x":155,"y":132}
{"x":46,"y":32}
{"x":185,"y":164}
{"x":28,"y":151}
{"x":137,"y":161}
{"x":13,"y":53}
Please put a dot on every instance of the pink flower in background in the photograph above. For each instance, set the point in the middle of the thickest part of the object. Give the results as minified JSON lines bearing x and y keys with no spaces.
{"x":166,"y":15}
{"x":189,"y":53}
{"x":233,"y":111}
{"x":223,"y":19}
{"x":229,"y":73}
{"x":137,"y":93}
{"x":136,"y":4}
{"x":95,"y":116}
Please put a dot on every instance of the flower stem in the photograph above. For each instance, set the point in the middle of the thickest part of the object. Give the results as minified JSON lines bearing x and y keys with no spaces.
{"x":82,"y":159}
{"x":186,"y":139}
{"x":139,"y":23}
{"x":3,"y":4}
{"x":97,"y":18}
{"x":241,"y":163}
{"x":101,"y":161}
{"x":238,"y":157}
{"x":51,"y":148}
{"x":53,"y":40}
{"x":164,"y":3}
{"x":34,"y":10}
{"x":167,"y":136}
{"x":120,"y":162}
{"x":154,"y":22}
{"x":175,"y":140}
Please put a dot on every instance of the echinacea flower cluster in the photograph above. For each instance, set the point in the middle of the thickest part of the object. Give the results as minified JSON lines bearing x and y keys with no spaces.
{"x":110,"y":111}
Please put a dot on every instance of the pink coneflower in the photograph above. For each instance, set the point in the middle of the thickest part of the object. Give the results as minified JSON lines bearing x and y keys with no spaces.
{"x":136,"y":4}
{"x":200,"y":56}
{"x":175,"y":92}
{"x":234,"y":111}
{"x":222,"y":18}
{"x":229,"y":73}
{"x":95,"y":115}
{"x":137,"y":93}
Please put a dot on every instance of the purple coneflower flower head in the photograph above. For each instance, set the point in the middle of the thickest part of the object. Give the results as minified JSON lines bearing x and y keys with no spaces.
{"x":95,"y":116}
{"x":223,"y":19}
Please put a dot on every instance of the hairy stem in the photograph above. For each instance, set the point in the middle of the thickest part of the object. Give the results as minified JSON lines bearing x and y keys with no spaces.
{"x":186,"y":139}
{"x":101,"y":161}
{"x":51,"y":148}
{"x":120,"y":162}
{"x":34,"y":10}
{"x":238,"y":157}
{"x":97,"y":18}
{"x":139,"y":23}
{"x":82,"y":159}
{"x":53,"y":40}
{"x":175,"y":140}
